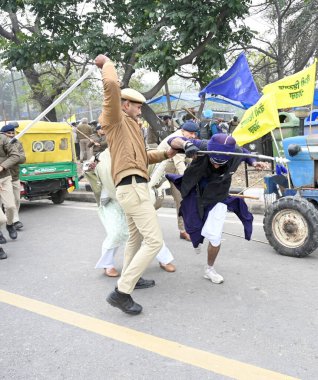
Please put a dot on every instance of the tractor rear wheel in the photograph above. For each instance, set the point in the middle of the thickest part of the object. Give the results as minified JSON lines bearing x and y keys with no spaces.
{"x":291,"y":226}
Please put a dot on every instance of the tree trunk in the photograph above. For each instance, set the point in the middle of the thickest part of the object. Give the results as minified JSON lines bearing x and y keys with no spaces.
{"x":32,"y":77}
{"x":168,"y":99}
{"x":158,"y":130}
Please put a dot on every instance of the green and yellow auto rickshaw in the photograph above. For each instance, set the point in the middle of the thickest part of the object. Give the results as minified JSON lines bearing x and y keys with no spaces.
{"x":50,"y":170}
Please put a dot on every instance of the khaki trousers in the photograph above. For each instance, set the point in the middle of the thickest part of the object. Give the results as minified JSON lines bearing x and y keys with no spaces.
{"x":85,"y":151}
{"x":145,"y":237}
{"x":16,"y":186}
{"x":7,"y":199}
{"x":176,"y":195}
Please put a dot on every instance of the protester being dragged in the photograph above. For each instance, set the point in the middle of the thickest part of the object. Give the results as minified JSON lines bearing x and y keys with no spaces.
{"x":9,"y":131}
{"x":205,"y":189}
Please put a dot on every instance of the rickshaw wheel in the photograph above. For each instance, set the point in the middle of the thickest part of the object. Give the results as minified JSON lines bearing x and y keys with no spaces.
{"x":58,"y":197}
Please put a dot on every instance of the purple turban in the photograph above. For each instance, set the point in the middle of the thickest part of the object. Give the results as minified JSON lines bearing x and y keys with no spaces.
{"x":221,"y":142}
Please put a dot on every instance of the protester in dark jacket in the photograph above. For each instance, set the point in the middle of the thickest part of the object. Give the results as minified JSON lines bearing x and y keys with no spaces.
{"x":205,"y":189}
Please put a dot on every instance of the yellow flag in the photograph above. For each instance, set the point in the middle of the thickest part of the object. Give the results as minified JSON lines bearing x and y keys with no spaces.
{"x":257,"y":121}
{"x":72,"y":119}
{"x":295,"y":90}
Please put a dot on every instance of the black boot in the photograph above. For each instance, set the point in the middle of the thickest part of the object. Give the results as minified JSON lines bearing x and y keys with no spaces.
{"x":12,"y":231}
{"x":18,"y":225}
{"x":3,"y":255}
{"x":124,"y":302}
{"x":143,"y":284}
{"x":3,"y":240}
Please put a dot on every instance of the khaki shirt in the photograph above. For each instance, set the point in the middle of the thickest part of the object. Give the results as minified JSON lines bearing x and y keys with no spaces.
{"x":84,"y":128}
{"x":123,"y":134}
{"x":9,"y":155}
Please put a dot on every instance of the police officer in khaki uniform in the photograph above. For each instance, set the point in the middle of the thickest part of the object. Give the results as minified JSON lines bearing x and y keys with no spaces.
{"x":119,"y":119}
{"x":9,"y":131}
{"x":97,"y":141}
{"x":83,"y":132}
{"x":9,"y":156}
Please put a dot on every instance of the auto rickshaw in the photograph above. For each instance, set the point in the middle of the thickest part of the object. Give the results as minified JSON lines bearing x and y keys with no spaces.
{"x":50,"y":170}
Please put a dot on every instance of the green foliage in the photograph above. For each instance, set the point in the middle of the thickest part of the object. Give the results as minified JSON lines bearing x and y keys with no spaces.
{"x":150,"y":34}
{"x":160,"y":33}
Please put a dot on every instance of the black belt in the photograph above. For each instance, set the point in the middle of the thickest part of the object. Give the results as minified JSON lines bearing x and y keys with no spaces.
{"x":128,"y":180}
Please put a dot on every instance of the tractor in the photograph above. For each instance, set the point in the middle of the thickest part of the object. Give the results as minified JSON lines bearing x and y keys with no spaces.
{"x":291,"y":200}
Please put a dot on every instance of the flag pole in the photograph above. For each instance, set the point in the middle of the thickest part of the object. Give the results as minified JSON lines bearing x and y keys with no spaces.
{"x":54,"y":104}
{"x":275,"y":142}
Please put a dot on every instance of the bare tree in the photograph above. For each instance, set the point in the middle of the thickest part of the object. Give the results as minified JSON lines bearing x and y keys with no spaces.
{"x":288,"y":43}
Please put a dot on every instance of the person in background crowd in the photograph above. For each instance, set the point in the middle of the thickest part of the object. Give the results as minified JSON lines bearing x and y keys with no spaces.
{"x":223,"y":128}
{"x":129,"y":159}
{"x":76,"y":142}
{"x":9,"y":131}
{"x":205,"y":125}
{"x":215,"y":126}
{"x":233,"y":124}
{"x":93,"y":125}
{"x":9,"y":156}
{"x":177,"y":165}
{"x":144,"y":130}
{"x":190,"y":115}
{"x":83,"y":132}
{"x":167,"y":119}
{"x":97,"y":141}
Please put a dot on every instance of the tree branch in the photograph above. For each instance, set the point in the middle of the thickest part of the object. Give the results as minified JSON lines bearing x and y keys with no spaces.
{"x":151,"y":93}
{"x":129,"y":67}
{"x":6,"y":35}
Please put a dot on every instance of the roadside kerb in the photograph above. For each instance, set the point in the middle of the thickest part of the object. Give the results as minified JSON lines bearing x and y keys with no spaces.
{"x":85,"y":194}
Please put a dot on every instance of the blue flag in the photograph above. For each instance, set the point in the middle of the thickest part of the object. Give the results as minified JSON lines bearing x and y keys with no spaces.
{"x":236,"y":84}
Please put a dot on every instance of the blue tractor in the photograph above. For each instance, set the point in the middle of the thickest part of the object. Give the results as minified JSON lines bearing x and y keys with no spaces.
{"x":291,"y":202}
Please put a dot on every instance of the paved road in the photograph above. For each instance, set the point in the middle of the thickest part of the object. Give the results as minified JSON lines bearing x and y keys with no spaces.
{"x":55,"y":324}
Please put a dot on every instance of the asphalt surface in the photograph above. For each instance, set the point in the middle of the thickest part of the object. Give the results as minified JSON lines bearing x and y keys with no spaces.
{"x":263,"y":315}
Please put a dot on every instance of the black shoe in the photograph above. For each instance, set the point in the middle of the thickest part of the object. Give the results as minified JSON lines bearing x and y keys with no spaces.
{"x":12,"y":231}
{"x":3,"y":240}
{"x":143,"y":284}
{"x":3,"y":255}
{"x":124,"y":302}
{"x":18,"y":225}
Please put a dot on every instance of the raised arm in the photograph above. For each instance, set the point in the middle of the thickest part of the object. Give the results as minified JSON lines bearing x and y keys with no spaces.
{"x":111,"y":112}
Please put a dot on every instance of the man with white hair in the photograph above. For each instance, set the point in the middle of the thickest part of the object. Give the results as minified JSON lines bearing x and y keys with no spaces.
{"x":129,"y":162}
